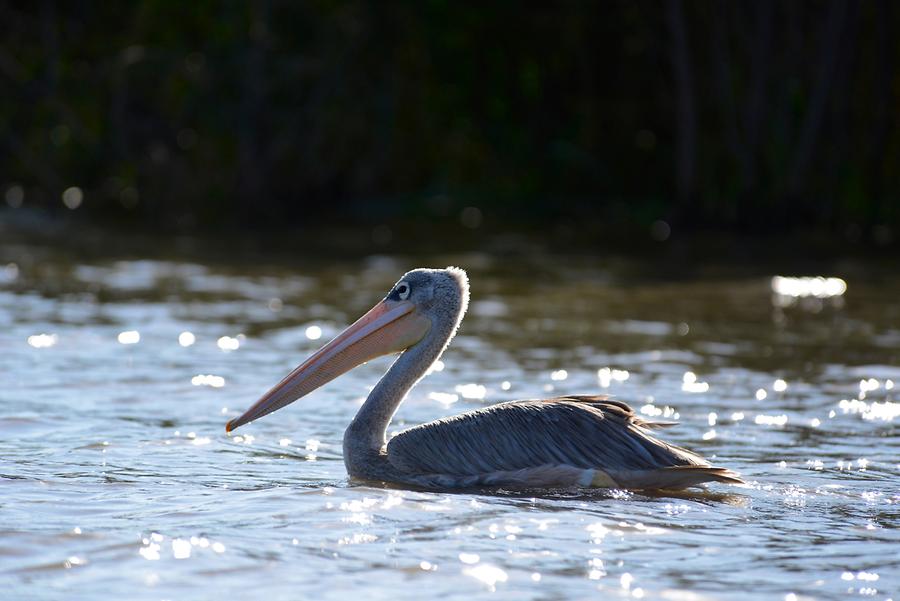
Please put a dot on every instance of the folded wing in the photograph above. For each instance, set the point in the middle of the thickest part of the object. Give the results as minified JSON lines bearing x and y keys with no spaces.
{"x":582,"y":432}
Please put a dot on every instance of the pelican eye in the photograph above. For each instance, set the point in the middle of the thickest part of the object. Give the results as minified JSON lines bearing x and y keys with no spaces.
{"x":403,"y":290}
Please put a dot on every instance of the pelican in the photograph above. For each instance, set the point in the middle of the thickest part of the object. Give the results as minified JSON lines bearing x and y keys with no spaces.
{"x":569,"y":441}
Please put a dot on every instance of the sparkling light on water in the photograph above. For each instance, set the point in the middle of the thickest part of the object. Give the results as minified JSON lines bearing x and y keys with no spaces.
{"x":150,"y":551}
{"x":151,"y":548}
{"x":471,"y":391}
{"x":869,"y":385}
{"x":597,"y":569}
{"x":181,"y":549}
{"x":444,"y":398}
{"x":313,"y":332}
{"x":805,"y":286}
{"x":811,"y":293}
{"x":208,"y":380}
{"x":771,"y":420}
{"x":129,"y":337}
{"x":186,"y":339}
{"x":227,"y":343}
{"x":487,"y":573}
{"x":884,"y":411}
{"x":607,"y":376}
{"x":42,"y":340}
{"x":358,"y":538}
{"x":654,"y":411}
{"x":437,"y":366}
{"x":689,"y":383}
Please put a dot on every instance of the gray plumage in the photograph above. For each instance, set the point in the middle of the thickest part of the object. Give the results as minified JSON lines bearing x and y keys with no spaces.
{"x":586,"y":432}
{"x":583,"y":432}
{"x":577,"y":440}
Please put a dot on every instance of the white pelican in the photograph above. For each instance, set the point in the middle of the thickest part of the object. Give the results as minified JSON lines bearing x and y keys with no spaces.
{"x":586,"y":441}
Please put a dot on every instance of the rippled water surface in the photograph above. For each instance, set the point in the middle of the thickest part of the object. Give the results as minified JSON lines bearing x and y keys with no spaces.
{"x":118,"y":480}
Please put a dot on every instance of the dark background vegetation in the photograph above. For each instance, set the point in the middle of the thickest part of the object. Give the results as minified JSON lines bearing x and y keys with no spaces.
{"x":755,"y":117}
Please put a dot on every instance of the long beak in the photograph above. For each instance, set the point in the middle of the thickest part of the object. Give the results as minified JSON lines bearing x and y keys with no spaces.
{"x":389,"y":327}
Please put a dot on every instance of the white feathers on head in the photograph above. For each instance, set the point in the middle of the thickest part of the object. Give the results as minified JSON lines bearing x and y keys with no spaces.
{"x":462,"y":279}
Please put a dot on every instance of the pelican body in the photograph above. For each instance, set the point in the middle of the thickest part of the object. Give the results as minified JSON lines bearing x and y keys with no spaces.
{"x":581,"y":441}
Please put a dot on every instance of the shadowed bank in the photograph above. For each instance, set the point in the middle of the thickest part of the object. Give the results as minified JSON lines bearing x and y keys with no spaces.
{"x":746,"y":116}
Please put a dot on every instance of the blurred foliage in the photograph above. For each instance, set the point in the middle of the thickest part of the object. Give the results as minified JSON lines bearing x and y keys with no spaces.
{"x":750,"y":115}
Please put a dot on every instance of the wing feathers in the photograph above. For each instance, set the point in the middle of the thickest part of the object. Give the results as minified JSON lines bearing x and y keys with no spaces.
{"x":585,"y":432}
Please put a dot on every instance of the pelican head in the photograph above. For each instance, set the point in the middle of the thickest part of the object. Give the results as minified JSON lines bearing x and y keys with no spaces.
{"x":424,"y":307}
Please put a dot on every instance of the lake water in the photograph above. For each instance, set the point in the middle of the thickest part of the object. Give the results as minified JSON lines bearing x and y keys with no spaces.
{"x":117,"y":480}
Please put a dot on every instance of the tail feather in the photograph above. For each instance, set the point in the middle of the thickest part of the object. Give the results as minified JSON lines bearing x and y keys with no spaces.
{"x":653,"y":425}
{"x":675,"y":477}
